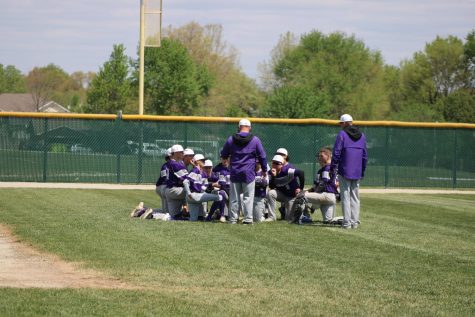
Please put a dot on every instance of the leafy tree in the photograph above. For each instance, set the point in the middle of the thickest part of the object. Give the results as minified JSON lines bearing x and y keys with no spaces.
{"x":469,"y":51}
{"x":11,"y":80}
{"x":231,"y":91}
{"x":431,"y":77}
{"x":460,"y":106}
{"x":392,"y":84}
{"x":173,"y":82}
{"x":296,"y":102}
{"x":337,"y":68}
{"x":44,"y":82}
{"x":268,"y":79}
{"x":110,"y":90}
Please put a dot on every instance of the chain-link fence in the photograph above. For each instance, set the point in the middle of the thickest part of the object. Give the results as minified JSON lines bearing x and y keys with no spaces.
{"x":111,"y":149}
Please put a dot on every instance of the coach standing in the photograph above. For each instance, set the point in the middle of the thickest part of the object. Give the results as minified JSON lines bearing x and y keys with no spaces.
{"x":349,"y":160}
{"x":243,"y":149}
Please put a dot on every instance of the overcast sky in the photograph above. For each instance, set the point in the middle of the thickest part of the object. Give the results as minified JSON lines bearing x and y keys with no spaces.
{"x":78,"y":35}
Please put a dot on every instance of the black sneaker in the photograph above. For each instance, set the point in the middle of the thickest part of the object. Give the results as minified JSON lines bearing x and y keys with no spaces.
{"x":247,"y":222}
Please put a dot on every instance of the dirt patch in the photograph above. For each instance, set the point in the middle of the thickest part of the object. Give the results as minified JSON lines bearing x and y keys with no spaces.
{"x":22,"y":266}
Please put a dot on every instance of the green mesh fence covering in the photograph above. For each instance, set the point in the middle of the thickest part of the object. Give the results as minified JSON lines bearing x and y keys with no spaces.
{"x":131,"y":151}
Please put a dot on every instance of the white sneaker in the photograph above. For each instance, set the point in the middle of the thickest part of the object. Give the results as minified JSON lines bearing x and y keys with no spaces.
{"x":269,"y":220}
{"x":222,"y":219}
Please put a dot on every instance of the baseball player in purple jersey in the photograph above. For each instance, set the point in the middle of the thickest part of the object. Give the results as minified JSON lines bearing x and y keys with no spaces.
{"x":188,"y":155}
{"x":195,"y":184}
{"x":349,"y":161}
{"x":175,"y":192}
{"x":323,"y":193}
{"x":285,"y":183}
{"x":243,"y":148}
{"x":161,"y":184}
{"x":260,"y":194}
{"x":220,"y":178}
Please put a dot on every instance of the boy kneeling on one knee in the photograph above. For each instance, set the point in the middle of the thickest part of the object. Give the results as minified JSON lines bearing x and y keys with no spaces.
{"x":324,"y":191}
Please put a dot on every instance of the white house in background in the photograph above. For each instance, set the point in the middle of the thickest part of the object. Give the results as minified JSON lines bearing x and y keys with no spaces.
{"x":26,"y":103}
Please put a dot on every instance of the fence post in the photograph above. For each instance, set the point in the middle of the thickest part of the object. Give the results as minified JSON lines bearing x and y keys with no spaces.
{"x":140,"y":155}
{"x":454,"y":165}
{"x":119,"y":147}
{"x":386,"y":165}
{"x":45,"y":149}
{"x":185,"y":145}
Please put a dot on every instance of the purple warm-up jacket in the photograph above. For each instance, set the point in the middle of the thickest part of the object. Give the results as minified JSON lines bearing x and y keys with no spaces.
{"x":349,"y":153}
{"x":244,"y":149}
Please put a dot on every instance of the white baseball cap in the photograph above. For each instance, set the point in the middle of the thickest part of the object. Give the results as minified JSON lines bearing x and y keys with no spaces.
{"x":278,"y":158}
{"x":198,"y":157}
{"x":244,"y":123}
{"x":188,"y":151}
{"x":346,"y":118}
{"x":176,"y":148}
{"x":169,"y":152}
{"x":208,"y":163}
{"x":282,"y":151}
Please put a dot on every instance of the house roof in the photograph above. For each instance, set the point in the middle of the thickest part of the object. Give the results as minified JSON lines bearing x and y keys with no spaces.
{"x":25,"y":103}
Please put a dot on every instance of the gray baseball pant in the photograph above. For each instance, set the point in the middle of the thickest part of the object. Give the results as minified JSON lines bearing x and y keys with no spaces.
{"x":247,"y":191}
{"x":350,"y":201}
{"x":175,"y":199}
{"x":325,"y":201}
{"x":274,"y":195}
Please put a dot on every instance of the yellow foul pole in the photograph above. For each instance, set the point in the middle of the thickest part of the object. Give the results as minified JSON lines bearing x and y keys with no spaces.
{"x":142,"y":55}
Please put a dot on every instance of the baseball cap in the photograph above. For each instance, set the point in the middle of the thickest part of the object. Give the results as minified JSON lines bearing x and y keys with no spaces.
{"x":198,"y":157}
{"x":208,"y":163}
{"x":245,"y":123}
{"x":346,"y":118}
{"x":278,"y":158}
{"x":282,"y":151}
{"x":168,"y":152}
{"x":188,"y":151}
{"x":176,"y":148}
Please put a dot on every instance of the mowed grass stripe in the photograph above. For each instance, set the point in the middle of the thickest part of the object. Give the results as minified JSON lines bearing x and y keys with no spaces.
{"x":404,"y":260}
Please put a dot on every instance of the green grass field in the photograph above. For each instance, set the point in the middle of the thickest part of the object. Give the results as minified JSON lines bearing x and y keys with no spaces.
{"x":414,"y":255}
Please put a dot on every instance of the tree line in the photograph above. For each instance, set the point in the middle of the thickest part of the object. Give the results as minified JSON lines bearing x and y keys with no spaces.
{"x":316,"y":75}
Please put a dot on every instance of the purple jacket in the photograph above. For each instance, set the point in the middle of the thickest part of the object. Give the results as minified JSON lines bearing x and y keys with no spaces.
{"x":244,"y":148}
{"x":349,"y":154}
{"x":323,"y":182}
{"x":177,"y":173}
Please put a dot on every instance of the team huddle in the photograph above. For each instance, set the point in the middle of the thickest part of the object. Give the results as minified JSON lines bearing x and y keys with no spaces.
{"x":244,"y":188}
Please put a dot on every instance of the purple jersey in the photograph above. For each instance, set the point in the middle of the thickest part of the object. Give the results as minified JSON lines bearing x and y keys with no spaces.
{"x":286,"y":180}
{"x":324,"y":182}
{"x":177,"y":173}
{"x":162,"y":180}
{"x":222,"y":175}
{"x":243,"y":149}
{"x":349,"y":153}
{"x":198,"y":180}
{"x":261,"y":184}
